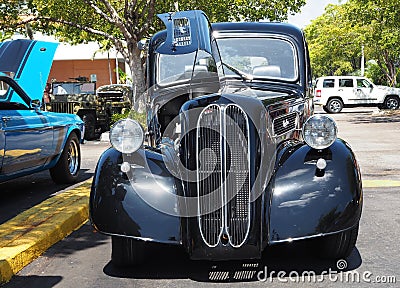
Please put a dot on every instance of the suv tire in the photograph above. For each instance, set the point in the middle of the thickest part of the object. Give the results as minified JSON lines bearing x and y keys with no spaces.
{"x":391,"y":102}
{"x":334,"y":105}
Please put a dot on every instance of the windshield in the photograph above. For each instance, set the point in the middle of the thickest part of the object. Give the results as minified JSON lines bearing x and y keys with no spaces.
{"x":181,"y":67}
{"x":74,"y":88}
{"x":259,"y":57}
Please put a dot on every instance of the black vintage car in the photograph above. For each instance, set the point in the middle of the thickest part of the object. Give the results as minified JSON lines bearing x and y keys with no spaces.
{"x":234,"y":159}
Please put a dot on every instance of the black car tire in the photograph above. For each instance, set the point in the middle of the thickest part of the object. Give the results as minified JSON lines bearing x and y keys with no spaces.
{"x":126,"y":251}
{"x":90,"y":126}
{"x":338,"y":246}
{"x":391,"y":102}
{"x":325,"y":109}
{"x":67,"y":168}
{"x":334,"y":105}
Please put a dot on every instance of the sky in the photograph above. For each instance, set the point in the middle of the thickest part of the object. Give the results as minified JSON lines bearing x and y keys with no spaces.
{"x":310,"y":11}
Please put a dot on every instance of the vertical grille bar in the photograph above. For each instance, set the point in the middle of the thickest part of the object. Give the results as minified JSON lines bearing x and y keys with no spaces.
{"x":237,"y":172}
{"x":209,"y":174}
{"x":61,"y":107}
{"x":223,"y":174}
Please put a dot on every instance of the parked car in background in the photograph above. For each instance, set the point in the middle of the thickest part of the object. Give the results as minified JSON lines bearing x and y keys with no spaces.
{"x":235,"y":160}
{"x":78,"y":97}
{"x":336,"y":92}
{"x":94,"y":106}
{"x":32,"y":140}
{"x":116,"y":98}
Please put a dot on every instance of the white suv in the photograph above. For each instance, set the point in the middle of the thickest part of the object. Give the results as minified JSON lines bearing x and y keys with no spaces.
{"x":336,"y":92}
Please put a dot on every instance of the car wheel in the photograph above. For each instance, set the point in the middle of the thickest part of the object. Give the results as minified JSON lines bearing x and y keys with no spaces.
{"x":334,"y":105}
{"x":338,"y":246}
{"x":392,"y":103}
{"x":325,"y":109}
{"x":126,"y":251}
{"x":67,"y":168}
{"x":90,"y":125}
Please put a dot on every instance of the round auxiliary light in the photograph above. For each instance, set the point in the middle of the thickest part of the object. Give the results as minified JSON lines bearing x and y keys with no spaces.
{"x":126,"y":135}
{"x":319,"y":131}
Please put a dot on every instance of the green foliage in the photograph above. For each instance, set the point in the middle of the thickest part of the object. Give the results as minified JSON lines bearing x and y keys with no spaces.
{"x":123,"y":77}
{"x":335,"y":39}
{"x":374,"y":72}
{"x":140,"y":117}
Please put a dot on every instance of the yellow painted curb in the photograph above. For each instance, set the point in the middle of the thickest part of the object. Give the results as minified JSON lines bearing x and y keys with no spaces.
{"x":380,"y":183}
{"x":28,"y":235}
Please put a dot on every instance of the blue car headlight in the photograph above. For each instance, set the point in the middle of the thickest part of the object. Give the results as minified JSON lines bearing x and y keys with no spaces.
{"x":127,"y":135}
{"x":319,"y":131}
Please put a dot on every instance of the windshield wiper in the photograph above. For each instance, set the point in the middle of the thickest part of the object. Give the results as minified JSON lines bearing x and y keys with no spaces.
{"x":243,"y":75}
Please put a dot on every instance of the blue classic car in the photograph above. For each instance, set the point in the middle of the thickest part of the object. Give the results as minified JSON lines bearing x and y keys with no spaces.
{"x":235,"y":161}
{"x":32,"y":140}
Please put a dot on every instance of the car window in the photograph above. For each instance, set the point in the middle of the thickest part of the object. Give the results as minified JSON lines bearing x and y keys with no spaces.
{"x":346,"y":83}
{"x":181,"y":67}
{"x":328,"y":83}
{"x":363,"y":83}
{"x":3,"y":89}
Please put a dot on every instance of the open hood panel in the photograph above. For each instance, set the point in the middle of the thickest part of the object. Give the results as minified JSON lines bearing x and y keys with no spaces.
{"x":28,"y":62}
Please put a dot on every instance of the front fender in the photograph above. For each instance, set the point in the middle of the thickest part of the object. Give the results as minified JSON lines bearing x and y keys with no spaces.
{"x":308,"y":202}
{"x":117,"y":205}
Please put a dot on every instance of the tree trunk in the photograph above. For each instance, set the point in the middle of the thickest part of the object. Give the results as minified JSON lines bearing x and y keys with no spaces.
{"x":137,"y":72}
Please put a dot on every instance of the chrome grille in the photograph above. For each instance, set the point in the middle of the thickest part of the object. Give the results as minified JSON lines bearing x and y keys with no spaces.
{"x":223,"y":174}
{"x":62,"y":107}
{"x":209,"y":169}
{"x":237,"y":175}
{"x":284,"y":124}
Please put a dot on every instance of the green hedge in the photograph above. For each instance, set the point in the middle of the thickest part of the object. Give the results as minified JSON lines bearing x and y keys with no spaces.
{"x":140,"y":117}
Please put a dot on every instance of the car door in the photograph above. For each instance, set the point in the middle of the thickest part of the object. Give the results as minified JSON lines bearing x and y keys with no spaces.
{"x":28,"y":140}
{"x":364,"y":91}
{"x":346,"y":90}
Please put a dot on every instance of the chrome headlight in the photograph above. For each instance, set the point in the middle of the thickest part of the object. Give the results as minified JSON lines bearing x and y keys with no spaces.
{"x":319,"y":131}
{"x":126,"y":135}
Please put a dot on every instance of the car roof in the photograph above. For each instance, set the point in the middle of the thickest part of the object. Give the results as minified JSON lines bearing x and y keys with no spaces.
{"x":258,"y":27}
{"x":341,"y":77}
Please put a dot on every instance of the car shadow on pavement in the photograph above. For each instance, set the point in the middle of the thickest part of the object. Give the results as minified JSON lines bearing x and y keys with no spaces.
{"x":33,"y":281}
{"x":25,"y":192}
{"x":166,"y":262}
{"x":378,"y":118}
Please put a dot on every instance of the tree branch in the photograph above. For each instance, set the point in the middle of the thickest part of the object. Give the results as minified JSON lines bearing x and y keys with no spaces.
{"x":118,"y":21}
{"x":119,"y":45}
{"x":114,"y":19}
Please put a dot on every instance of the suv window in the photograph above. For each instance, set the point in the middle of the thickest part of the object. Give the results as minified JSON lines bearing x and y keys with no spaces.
{"x":346,"y":83}
{"x":363,"y":83}
{"x":328,"y":83}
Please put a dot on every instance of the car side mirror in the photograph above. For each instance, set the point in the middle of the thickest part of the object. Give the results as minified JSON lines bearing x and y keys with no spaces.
{"x":35,"y":104}
{"x":371,"y":86}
